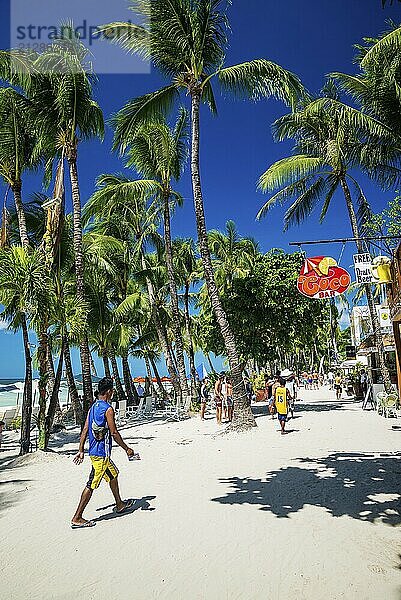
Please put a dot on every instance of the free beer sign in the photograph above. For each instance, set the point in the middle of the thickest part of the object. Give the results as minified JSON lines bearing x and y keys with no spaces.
{"x":321,"y":278}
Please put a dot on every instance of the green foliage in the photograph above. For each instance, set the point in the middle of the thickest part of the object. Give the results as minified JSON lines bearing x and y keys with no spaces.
{"x":268,"y":314}
{"x":388,"y":222}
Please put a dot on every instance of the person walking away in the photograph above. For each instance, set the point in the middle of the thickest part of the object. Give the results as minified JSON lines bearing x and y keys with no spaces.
{"x":229,"y":398}
{"x":101,"y":427}
{"x":218,"y":397}
{"x":330,"y":379}
{"x":204,"y":397}
{"x":224,"y":395}
{"x":275,"y":385}
{"x":281,"y":399}
{"x":338,"y":386}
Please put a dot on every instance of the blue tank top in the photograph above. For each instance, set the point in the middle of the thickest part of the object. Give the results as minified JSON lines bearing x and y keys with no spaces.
{"x":98,"y":429}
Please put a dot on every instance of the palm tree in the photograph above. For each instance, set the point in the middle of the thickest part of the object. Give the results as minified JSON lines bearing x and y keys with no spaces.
{"x":187,"y":42}
{"x":19,"y":148}
{"x":188,"y":272}
{"x":233,"y":256}
{"x":330,"y":143}
{"x":159,"y":153}
{"x":121,"y":204}
{"x":62,"y":96}
{"x":23,"y":293}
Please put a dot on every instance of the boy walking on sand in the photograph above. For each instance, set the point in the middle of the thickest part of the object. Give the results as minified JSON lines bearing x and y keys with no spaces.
{"x":101,"y":427}
{"x":282,"y":399}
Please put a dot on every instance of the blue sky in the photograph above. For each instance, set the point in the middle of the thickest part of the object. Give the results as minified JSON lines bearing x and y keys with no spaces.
{"x":311,"y":38}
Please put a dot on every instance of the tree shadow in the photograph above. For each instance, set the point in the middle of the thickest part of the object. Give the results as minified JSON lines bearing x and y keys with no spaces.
{"x":139,"y":504}
{"x":10,"y":498}
{"x":361,"y":485}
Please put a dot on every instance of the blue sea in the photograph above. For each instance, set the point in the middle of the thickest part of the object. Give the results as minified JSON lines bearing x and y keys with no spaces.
{"x":11,"y":391}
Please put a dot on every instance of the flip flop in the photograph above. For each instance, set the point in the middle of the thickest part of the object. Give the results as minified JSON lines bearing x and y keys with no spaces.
{"x":128,"y":505}
{"x":83,"y":525}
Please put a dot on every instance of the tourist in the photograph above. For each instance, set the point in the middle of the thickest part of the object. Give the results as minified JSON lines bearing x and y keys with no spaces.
{"x":2,"y":425}
{"x":274,"y":386}
{"x":229,"y":398}
{"x":224,"y":396}
{"x":218,"y":396}
{"x":141,"y":391}
{"x":330,"y":379}
{"x":292,"y":389}
{"x":315,"y":380}
{"x":281,"y":400}
{"x":204,"y":397}
{"x":363,"y":381}
{"x":101,"y":427}
{"x":338,"y":385}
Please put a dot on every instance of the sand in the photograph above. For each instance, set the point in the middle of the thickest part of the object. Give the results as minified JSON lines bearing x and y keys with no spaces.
{"x":311,"y":515}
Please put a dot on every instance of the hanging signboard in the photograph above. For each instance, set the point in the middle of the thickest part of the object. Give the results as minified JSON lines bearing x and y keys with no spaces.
{"x":321,"y":278}
{"x":363,"y":268}
{"x":384,"y":317}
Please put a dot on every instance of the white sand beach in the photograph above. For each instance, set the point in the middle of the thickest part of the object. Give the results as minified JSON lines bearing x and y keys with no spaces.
{"x":314,"y":514}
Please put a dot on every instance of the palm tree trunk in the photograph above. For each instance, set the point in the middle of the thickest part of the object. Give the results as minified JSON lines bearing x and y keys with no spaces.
{"x":162,"y":390}
{"x":74,"y":396}
{"x":54,"y":398}
{"x":377,"y":336}
{"x":149,"y":375}
{"x":19,"y":209}
{"x":106,"y":364}
{"x":42,"y":386}
{"x":119,"y":388}
{"x":79,"y":273}
{"x":243,"y":417}
{"x":191,"y":354}
{"x":176,"y":317}
{"x":25,"y":441}
{"x":127,"y":380}
{"x":209,"y":360}
{"x":161,"y":334}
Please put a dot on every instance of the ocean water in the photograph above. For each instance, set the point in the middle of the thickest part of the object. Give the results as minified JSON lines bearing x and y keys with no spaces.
{"x":11,"y":392}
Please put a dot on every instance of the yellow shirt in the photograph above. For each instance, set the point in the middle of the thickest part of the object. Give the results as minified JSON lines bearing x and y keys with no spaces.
{"x":281,"y":400}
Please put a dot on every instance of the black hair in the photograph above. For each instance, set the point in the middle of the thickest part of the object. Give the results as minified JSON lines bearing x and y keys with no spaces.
{"x":281,"y":381}
{"x":104,"y":386}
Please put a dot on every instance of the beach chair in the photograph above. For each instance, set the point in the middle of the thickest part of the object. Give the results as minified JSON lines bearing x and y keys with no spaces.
{"x":136,"y":412}
{"x":149,"y":407}
{"x":9,"y":417}
{"x":121,"y":412}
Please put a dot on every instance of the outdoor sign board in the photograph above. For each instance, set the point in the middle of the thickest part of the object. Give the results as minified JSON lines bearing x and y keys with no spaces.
{"x":350,"y":352}
{"x":384,"y":316}
{"x":321,"y":278}
{"x":363,"y":268}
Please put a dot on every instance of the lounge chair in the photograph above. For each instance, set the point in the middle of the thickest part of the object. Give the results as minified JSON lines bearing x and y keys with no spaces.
{"x":9,"y":417}
{"x":121,"y":412}
{"x":136,"y":412}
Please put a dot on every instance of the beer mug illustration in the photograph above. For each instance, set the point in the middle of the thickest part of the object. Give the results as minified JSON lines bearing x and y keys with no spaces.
{"x":381,"y":269}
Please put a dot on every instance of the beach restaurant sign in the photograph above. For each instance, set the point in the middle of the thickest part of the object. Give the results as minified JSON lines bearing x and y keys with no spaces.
{"x":321,"y":278}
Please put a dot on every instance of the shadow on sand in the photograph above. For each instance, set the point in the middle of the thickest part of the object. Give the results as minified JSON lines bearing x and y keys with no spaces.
{"x":362,"y":486}
{"x":139,"y":504}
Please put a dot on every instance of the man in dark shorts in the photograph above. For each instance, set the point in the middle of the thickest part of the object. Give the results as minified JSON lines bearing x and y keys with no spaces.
{"x":218,"y":396}
{"x":101,"y":427}
{"x":204,"y":397}
{"x":282,"y":400}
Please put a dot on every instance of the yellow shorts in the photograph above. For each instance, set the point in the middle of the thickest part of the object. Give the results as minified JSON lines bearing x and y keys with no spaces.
{"x":102,"y":468}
